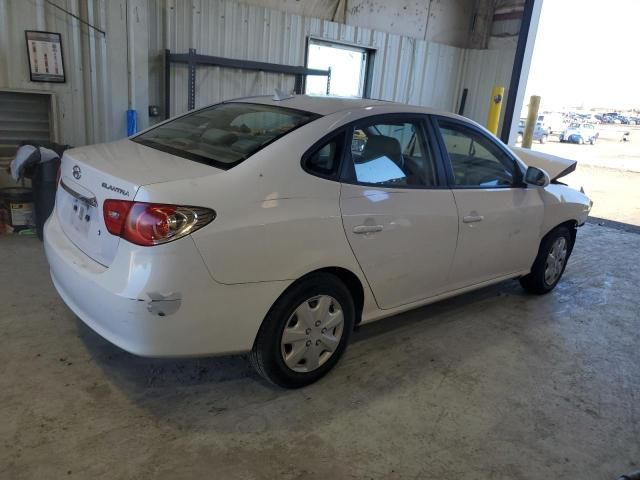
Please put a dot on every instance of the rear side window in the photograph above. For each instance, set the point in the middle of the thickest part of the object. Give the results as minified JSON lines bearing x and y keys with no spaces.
{"x":324,"y":161}
{"x":224,"y":135}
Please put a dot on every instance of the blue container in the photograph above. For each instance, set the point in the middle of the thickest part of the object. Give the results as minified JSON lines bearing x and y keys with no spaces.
{"x":132,"y":122}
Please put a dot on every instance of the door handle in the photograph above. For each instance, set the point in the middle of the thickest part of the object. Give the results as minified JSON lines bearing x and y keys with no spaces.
{"x":367,"y":228}
{"x":473,"y":218}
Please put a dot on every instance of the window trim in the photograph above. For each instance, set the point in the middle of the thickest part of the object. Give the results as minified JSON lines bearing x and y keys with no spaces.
{"x":428,"y":144}
{"x":434,"y":121}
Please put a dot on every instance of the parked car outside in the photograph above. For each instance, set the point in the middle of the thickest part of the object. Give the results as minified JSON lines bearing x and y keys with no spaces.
{"x":593,"y":119}
{"x":580,"y":133}
{"x":254,"y":226}
{"x":539,"y":133}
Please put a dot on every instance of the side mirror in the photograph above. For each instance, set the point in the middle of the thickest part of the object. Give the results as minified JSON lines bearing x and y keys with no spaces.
{"x":536,"y":176}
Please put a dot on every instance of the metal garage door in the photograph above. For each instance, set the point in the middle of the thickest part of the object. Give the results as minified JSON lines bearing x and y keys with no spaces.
{"x":23,"y":116}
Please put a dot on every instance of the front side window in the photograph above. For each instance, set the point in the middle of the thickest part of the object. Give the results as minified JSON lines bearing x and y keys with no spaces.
{"x":476,"y":160}
{"x":224,"y":135}
{"x":391,"y":153}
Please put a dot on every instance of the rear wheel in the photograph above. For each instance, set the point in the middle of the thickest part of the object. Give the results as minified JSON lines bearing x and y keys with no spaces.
{"x":550,"y":263}
{"x":305,"y":333}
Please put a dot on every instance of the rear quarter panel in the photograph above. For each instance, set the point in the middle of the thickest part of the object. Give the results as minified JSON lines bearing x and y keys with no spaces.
{"x":274,"y":221}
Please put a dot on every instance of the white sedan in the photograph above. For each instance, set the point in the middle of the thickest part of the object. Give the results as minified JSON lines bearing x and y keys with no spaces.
{"x":276,"y":226}
{"x":579,"y":133}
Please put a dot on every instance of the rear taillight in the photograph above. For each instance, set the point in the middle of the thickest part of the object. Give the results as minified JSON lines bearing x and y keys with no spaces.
{"x":150,"y":224}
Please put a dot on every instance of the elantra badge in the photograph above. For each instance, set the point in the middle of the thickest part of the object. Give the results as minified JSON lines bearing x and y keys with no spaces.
{"x":113,"y":188}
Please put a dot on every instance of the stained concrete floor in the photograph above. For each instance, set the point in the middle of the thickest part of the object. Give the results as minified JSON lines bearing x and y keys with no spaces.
{"x":496,"y":384}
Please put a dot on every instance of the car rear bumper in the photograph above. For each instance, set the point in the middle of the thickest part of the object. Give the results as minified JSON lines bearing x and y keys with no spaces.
{"x":573,"y":138}
{"x":157,"y":301}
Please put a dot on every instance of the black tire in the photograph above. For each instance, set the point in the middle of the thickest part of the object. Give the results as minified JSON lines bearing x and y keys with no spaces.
{"x":535,"y":281}
{"x":543,"y":139}
{"x":266,"y":356}
{"x":592,"y":141}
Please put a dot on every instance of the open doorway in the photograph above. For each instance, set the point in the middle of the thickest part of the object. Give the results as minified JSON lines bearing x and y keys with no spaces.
{"x":590,"y":104}
{"x":349,"y":69}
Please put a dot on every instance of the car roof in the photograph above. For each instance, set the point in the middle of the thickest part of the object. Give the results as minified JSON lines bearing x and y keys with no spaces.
{"x":324,"y":105}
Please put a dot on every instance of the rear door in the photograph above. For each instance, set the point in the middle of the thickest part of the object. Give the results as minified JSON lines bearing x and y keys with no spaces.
{"x":399,"y":218}
{"x":500,"y":218}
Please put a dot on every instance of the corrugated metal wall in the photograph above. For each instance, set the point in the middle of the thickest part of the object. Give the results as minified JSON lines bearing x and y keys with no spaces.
{"x":481,"y":71}
{"x":90,"y":107}
{"x":405,"y":69}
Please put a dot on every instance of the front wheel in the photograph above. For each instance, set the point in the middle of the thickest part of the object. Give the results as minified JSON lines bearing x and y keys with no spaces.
{"x":592,"y":141}
{"x":305,"y":333}
{"x":550,"y":263}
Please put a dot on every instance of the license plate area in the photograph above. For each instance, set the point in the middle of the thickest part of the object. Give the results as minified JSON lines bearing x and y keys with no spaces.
{"x":80,"y":216}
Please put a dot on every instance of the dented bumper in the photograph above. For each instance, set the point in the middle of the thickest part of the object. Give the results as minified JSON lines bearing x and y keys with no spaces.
{"x":157,"y":301}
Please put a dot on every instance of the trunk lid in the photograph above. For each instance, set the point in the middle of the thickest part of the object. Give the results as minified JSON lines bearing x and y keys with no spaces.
{"x":556,"y":167}
{"x":90,"y":175}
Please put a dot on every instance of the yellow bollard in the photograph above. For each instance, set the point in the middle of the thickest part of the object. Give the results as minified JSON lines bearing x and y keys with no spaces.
{"x":493,"y":119}
{"x":532,"y":120}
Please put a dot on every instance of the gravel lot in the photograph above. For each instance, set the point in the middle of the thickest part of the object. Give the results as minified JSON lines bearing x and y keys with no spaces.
{"x":609,"y":171}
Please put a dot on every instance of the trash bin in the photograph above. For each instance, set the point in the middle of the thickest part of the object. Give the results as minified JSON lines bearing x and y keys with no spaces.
{"x":44,"y":187}
{"x":41,"y":166}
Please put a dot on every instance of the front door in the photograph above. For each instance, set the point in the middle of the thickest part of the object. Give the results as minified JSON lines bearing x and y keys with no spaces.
{"x":401,"y":223}
{"x":500,"y":217}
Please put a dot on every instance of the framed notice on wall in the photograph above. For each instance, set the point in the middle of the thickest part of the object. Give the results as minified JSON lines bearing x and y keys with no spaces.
{"x":44,"y":50}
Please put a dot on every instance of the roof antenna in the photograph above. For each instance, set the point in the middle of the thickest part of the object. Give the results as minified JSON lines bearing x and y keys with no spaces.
{"x":281,"y":95}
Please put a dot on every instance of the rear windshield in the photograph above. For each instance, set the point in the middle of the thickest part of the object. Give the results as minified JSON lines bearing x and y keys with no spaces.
{"x":224,"y":135}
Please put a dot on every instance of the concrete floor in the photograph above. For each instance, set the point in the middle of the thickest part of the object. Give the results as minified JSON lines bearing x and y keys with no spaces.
{"x":615,"y":193}
{"x":496,"y":384}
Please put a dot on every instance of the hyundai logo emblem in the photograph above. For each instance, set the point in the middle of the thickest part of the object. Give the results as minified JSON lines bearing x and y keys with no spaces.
{"x":77,"y":173}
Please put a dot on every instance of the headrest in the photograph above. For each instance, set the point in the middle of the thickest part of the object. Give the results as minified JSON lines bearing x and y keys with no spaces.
{"x":382,"y":146}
